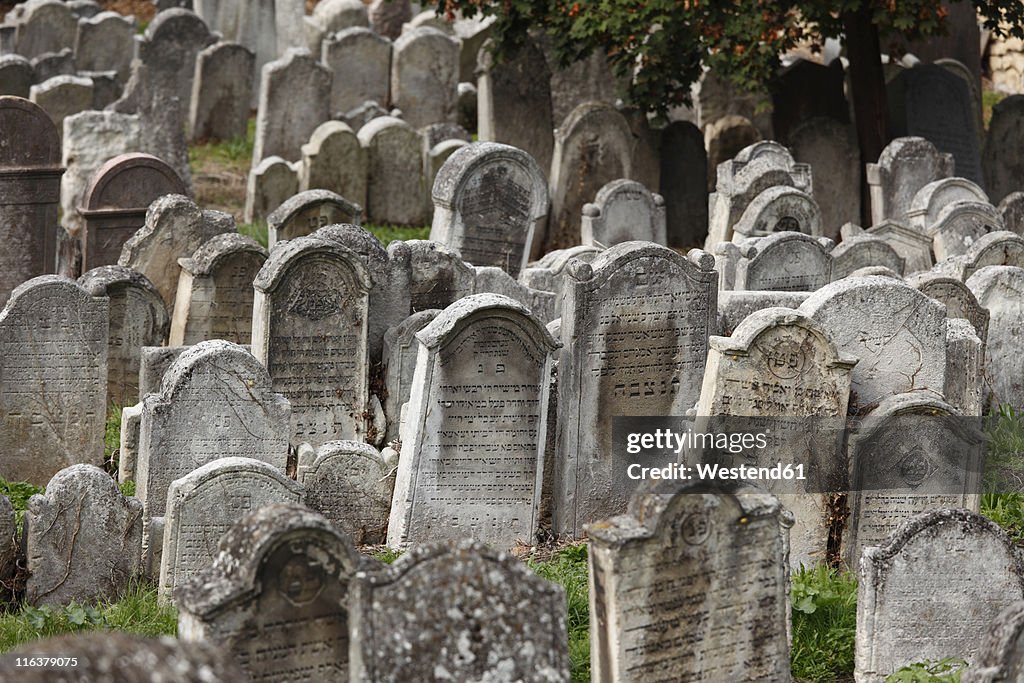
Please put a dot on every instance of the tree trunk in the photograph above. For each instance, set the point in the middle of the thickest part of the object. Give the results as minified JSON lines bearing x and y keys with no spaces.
{"x":867,"y":85}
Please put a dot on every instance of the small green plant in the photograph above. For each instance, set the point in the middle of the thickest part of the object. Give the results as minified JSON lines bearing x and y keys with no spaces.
{"x":568,"y":568}
{"x":1006,"y":510}
{"x":257,"y":231}
{"x":18,"y":492}
{"x":127,"y":488}
{"x":391,"y":233}
{"x":112,"y":438}
{"x":824,"y":623}
{"x":945,"y":670}
{"x":386,"y":555}
{"x":1004,"y":456}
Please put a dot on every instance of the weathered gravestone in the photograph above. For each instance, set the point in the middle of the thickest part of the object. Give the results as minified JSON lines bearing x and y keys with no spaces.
{"x":1011,"y":210}
{"x":44,"y":26}
{"x":806,"y":90}
{"x":221,"y":92}
{"x":965,"y":367}
{"x":905,"y":166}
{"x":910,"y":243}
{"x":82,"y":539}
{"x":897,"y":333}
{"x":215,"y":294}
{"x":270,"y":184}
{"x":53,"y":379}
{"x":635,"y":325}
{"x":361,"y":64}
{"x":137,"y":317}
{"x":295,"y":94}
{"x":864,"y":251}
{"x":1000,"y":248}
{"x":489,"y":200}
{"x":424,"y":76}
{"x":779,"y":209}
{"x":306,"y":212}
{"x":472,"y":455}
{"x":203,"y":504}
{"x":929,"y":202}
{"x":683,"y":184}
{"x":932,"y":589}
{"x":399,"y":359}
{"x":51,"y":64}
{"x":9,"y":539}
{"x":215,"y":401}
{"x":438,"y":155}
{"x":276,"y":597}
{"x":780,"y":374}
{"x":830,"y":148}
{"x":624,"y":210}
{"x":437,"y":276}
{"x":1000,"y":289}
{"x":310,"y":331}
{"x":913,"y":452}
{"x":781,"y":262}
{"x":547,"y":273}
{"x":115,"y":204}
{"x":332,"y":16}
{"x":30,"y":176}
{"x":691,"y":585}
{"x":350,"y":484}
{"x":334,"y":160}
{"x":105,"y":42}
{"x":62,"y":96}
{"x":725,"y":138}
{"x":174,"y":228}
{"x":395,"y":191}
{"x":465,"y":610}
{"x":1000,"y":656}
{"x":959,"y":225}
{"x":16,"y":75}
{"x":491,"y":280}
{"x":959,"y":301}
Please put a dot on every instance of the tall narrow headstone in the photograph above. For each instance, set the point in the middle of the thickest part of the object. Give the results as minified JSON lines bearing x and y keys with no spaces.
{"x":830,"y":148}
{"x":425,"y":76}
{"x":295,"y":96}
{"x":271,"y":182}
{"x":624,"y":210}
{"x":684,"y":163}
{"x":1000,"y":289}
{"x":361,"y":64}
{"x":905,"y":166}
{"x":334,"y":160}
{"x":221,"y":92}
{"x":395,"y":191}
{"x":105,"y":42}
{"x":399,"y":358}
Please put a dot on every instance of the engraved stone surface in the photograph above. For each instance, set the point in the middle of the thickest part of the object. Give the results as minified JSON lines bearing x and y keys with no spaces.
{"x":400,"y":352}
{"x":930,"y":200}
{"x":105,"y":42}
{"x":959,"y":301}
{"x":425,"y":76}
{"x":905,"y":166}
{"x":959,"y":225}
{"x":830,"y":148}
{"x":624,"y":210}
{"x":1001,"y":653}
{"x":1000,"y":289}
{"x":395,"y":191}
{"x":361,"y":63}
{"x":779,"y":209}
{"x":295,"y":93}
{"x":864,"y":251}
{"x":437,"y":276}
{"x":9,"y":538}
{"x":783,"y":262}
{"x":909,"y":242}
{"x":307,"y":212}
{"x":334,"y":160}
{"x":221,"y":92}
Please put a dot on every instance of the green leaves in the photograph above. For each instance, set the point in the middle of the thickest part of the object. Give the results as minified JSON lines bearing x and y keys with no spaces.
{"x":945,"y":670}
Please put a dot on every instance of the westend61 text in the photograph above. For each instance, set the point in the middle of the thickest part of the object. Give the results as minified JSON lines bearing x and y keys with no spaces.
{"x":708,"y":472}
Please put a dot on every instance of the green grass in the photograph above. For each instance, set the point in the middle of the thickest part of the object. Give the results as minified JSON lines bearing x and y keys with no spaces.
{"x":234,"y":152}
{"x":18,"y":492}
{"x":1004,"y":456}
{"x":568,"y":568}
{"x":989,"y":99}
{"x":112,"y":438}
{"x":824,"y":623}
{"x":257,"y":231}
{"x":946,"y":670}
{"x":391,"y":233}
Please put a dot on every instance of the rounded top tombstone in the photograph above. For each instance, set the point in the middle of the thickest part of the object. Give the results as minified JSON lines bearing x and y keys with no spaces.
{"x":31,"y":139}
{"x":132,"y":181}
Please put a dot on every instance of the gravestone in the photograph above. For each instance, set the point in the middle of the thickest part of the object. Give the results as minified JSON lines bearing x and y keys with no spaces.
{"x":1003,"y":163}
{"x":154,"y":361}
{"x":547,"y":274}
{"x":115,"y":204}
{"x":905,"y":166}
{"x":16,"y":75}
{"x":306,"y":212}
{"x":30,"y":177}
{"x":948,"y":573}
{"x":806,"y":90}
{"x":51,"y":64}
{"x":473,"y":452}
{"x":864,"y":251}
{"x":910,"y":243}
{"x":45,"y":26}
{"x":203,"y":504}
{"x":361,"y":64}
{"x":295,"y":93}
{"x":438,"y":155}
{"x":999,"y":655}
{"x":270,"y":184}
{"x":53,"y":379}
{"x":82,"y":539}
{"x":779,"y":209}
{"x":221,"y":92}
{"x":215,"y":401}
{"x":678,"y":568}
{"x":332,"y":16}
{"x":897,"y":333}
{"x":399,"y":359}
{"x":715,"y":98}
{"x":174,"y":228}
{"x":437,"y":276}
{"x":489,"y":200}
{"x":492,"y":280}
{"x":334,"y":160}
{"x":933,"y":198}
{"x":215,"y":294}
{"x":959,"y":301}
{"x":1000,"y":248}
{"x":1000,"y":289}
{"x":62,"y":96}
{"x":593,"y":146}
{"x":514,"y":101}
{"x":784,"y":262}
{"x":724,"y":138}
{"x":395,"y":192}
{"x":425,"y":76}
{"x":830,"y":148}
{"x":464,"y":609}
{"x":684,"y":184}
{"x":105,"y":88}
{"x":137,"y":317}
{"x":276,"y":597}
{"x":9,"y":538}
{"x":348,"y":483}
{"x":105,"y":42}
{"x":624,"y":210}
{"x":310,"y":331}
{"x":635,"y":323}
{"x":388,"y":16}
{"x":959,"y":225}
{"x":965,"y":368}
{"x":912,"y":453}
{"x":1011,"y":210}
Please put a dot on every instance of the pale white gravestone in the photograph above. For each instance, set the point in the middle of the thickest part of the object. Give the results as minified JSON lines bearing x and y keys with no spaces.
{"x":930,"y":200}
{"x":726,"y":137}
{"x":395,"y":191}
{"x":780,"y":374}
{"x":489,"y":200}
{"x":361,"y":62}
{"x":215,"y":294}
{"x":932,"y":589}
{"x":779,"y":209}
{"x":295,"y":93}
{"x":105,"y":42}
{"x":221,"y":92}
{"x":830,"y":148}
{"x":905,"y":166}
{"x":735,"y":306}
{"x":1000,"y":289}
{"x":1001,"y":652}
{"x":425,"y":76}
{"x":959,"y":301}
{"x":82,"y":539}
{"x":399,"y":358}
{"x":473,"y":451}
{"x":334,"y":160}
{"x":137,"y":317}
{"x":309,"y":329}
{"x":203,"y":504}
{"x":1011,"y":210}
{"x":332,"y":16}
{"x":624,"y":210}
{"x":780,"y":262}
{"x":463,"y":609}
{"x":965,"y":368}
{"x":277,"y":596}
{"x":691,"y":584}
{"x":306,"y":212}
{"x":349,"y":483}
{"x":913,"y":452}
{"x":53,"y":378}
{"x":270,"y":184}
{"x":491,"y":280}
{"x":1000,"y":248}
{"x":864,"y":251}
{"x":635,"y":327}
{"x":215,"y":402}
{"x":897,"y":333}
{"x":959,"y":225}
{"x":547,"y":273}
{"x":909,"y":242}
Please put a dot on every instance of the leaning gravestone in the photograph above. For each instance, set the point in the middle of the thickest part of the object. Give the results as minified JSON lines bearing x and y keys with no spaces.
{"x":105,"y":42}
{"x":1000,"y":289}
{"x":30,"y":176}
{"x":624,"y":210}
{"x":473,"y":452}
{"x":361,"y":63}
{"x":931,"y":589}
{"x":635,"y":325}
{"x":310,"y":331}
{"x":425,"y":76}
{"x":53,"y":379}
{"x":399,"y":358}
{"x":489,"y":200}
{"x":277,"y":596}
{"x":305,"y":213}
{"x":905,"y":166}
{"x":82,"y":539}
{"x":115,"y":205}
{"x":350,"y":484}
{"x":137,"y":317}
{"x":221,"y":92}
{"x":205,"y":503}
{"x":215,"y":294}
{"x":334,"y":160}
{"x":295,"y":94}
{"x":395,"y":191}
{"x":691,"y":585}
{"x":463,"y":609}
